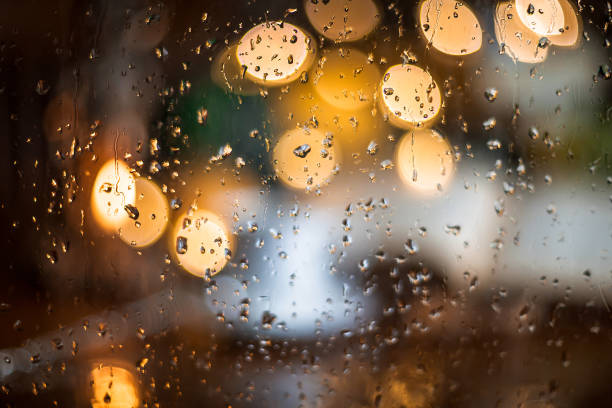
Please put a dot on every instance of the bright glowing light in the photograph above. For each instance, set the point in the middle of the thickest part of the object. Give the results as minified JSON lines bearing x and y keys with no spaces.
{"x":147,"y":218}
{"x":112,"y":195}
{"x":275,"y":53}
{"x":227,"y":73}
{"x":572,"y":27}
{"x":424,"y":160}
{"x":113,"y":387}
{"x":343,"y":20}
{"x":519,"y":42}
{"x":304,"y":158}
{"x":346,"y":80}
{"x":450,"y":26}
{"x":543,"y":17}
{"x":201,"y":242}
{"x":409,"y":96}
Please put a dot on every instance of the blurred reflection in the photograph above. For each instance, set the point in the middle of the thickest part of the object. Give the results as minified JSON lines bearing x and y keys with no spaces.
{"x":514,"y":38}
{"x":148,"y":218}
{"x":345,"y":79}
{"x":343,"y":20}
{"x":113,"y":195}
{"x":113,"y":387}
{"x":425,"y":160}
{"x":305,"y":158}
{"x":275,"y":53}
{"x":450,"y":26}
{"x":409,"y":96}
{"x":201,"y":242}
{"x":543,"y":17}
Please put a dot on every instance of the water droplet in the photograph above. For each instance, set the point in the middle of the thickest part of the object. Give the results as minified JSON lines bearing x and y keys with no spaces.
{"x":132,"y":211}
{"x":302,"y":151}
{"x":181,"y":245}
{"x":491,"y":94}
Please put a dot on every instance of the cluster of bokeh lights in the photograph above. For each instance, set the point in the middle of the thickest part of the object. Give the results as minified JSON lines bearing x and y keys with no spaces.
{"x":344,"y":88}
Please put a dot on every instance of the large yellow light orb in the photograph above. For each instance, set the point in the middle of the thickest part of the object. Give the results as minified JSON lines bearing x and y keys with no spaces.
{"x":148,"y":217}
{"x":112,"y":195}
{"x":275,"y":53}
{"x":572,"y":28}
{"x":425,"y":160}
{"x":409,"y":96}
{"x":304,"y":158}
{"x":113,"y":387}
{"x":450,"y":26}
{"x":343,"y":20}
{"x":201,"y":242}
{"x":543,"y":17}
{"x":519,"y":42}
{"x":345,"y":79}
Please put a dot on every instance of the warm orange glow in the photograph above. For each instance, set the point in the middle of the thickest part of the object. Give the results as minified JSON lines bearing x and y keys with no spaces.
{"x":304,"y":158}
{"x":148,"y":218}
{"x":450,"y":26}
{"x":227,"y":73}
{"x":409,"y":96}
{"x":543,"y":17}
{"x":201,"y":242}
{"x":343,"y":20}
{"x":275,"y":53}
{"x":345,"y":79}
{"x":425,"y":161}
{"x":516,"y":40}
{"x":572,"y":27}
{"x":113,"y":387}
{"x":113,"y":191}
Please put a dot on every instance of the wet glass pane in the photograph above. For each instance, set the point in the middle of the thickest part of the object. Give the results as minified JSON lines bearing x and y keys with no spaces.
{"x":306,"y":203}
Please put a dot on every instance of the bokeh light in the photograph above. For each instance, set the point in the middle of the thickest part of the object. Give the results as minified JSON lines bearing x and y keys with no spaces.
{"x":304,"y":158}
{"x":515,"y":39}
{"x":343,"y":20}
{"x":543,"y":17}
{"x":149,"y":216}
{"x":113,"y":387}
{"x":572,"y":27}
{"x":409,"y":96}
{"x":201,"y":242}
{"x":450,"y":26}
{"x":275,"y":53}
{"x":425,"y":161}
{"x":113,"y":194}
{"x":345,"y":79}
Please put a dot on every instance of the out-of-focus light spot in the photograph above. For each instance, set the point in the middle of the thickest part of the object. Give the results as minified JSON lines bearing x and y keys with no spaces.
{"x":572,"y":28}
{"x":345,"y":79}
{"x":113,"y":387}
{"x":275,"y":53}
{"x":113,"y":193}
{"x":304,"y":158}
{"x":425,"y":161}
{"x":201,"y":242}
{"x":516,"y":40}
{"x":343,"y":20}
{"x":450,"y":26}
{"x":147,"y":218}
{"x":409,"y":96}
{"x":543,"y":17}
{"x":227,"y":73}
